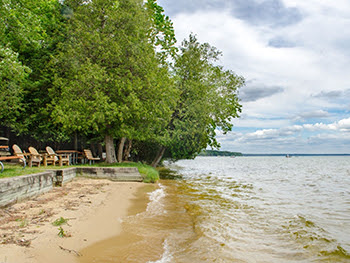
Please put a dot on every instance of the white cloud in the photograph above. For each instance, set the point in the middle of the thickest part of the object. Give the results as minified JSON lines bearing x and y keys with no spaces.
{"x":292,"y":137}
{"x":298,"y":70}
{"x":342,"y":126}
{"x":296,"y":73}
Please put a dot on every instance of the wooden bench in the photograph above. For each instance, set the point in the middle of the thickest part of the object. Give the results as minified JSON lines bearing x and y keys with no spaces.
{"x":5,"y":158}
{"x":89,"y":156}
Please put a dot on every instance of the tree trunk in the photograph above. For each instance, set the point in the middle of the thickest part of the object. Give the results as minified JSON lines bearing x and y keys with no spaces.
{"x":159,"y":156}
{"x":121,"y":149}
{"x":110,"y":149}
{"x":93,"y":149}
{"x":127,"y":150}
{"x":100,"y":150}
{"x":76,"y":141}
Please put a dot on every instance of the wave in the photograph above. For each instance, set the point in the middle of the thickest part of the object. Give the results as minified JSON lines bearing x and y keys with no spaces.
{"x":166,"y":257}
{"x":156,"y":204}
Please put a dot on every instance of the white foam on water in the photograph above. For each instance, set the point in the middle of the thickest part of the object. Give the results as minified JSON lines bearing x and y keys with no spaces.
{"x":166,"y":257}
{"x":156,"y":205}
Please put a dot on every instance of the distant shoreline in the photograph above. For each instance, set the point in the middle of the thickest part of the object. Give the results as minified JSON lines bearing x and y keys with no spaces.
{"x":215,"y":153}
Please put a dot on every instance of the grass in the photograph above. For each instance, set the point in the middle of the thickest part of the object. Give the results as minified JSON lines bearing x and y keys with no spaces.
{"x":60,"y":221}
{"x":17,"y":170}
{"x":149,"y":174}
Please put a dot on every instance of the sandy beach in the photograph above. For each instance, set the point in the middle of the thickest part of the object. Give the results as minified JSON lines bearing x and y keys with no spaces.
{"x":93,"y":210}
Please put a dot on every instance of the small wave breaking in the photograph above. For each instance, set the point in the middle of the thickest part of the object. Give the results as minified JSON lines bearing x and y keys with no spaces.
{"x":166,"y":257}
{"x":156,"y":204}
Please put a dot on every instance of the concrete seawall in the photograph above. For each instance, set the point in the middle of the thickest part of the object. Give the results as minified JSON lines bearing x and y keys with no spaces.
{"x":121,"y":174}
{"x":18,"y":188}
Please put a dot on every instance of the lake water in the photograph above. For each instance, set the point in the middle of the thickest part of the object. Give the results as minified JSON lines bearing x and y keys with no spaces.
{"x":245,"y":209}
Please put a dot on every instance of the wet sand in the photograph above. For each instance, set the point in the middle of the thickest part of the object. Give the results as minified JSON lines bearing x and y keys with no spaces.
{"x":163,"y":221}
{"x":94,"y":209}
{"x":132,"y":244}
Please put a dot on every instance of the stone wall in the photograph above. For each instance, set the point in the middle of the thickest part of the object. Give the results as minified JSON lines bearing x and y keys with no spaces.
{"x":68,"y":174}
{"x":17,"y":188}
{"x":129,"y":174}
{"x":21,"y":187}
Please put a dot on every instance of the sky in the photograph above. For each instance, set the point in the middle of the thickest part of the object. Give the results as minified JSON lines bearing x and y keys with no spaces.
{"x":295,"y":58}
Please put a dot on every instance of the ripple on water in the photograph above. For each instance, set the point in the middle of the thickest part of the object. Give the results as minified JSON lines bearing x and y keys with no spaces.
{"x":247,"y":207}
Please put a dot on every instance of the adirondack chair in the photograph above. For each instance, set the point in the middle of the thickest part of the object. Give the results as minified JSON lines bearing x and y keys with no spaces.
{"x":23,"y":156}
{"x":90,"y":157}
{"x":56,"y":158}
{"x":35,"y":157}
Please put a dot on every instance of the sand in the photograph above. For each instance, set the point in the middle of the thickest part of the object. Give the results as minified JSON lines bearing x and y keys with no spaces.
{"x":94,"y":209}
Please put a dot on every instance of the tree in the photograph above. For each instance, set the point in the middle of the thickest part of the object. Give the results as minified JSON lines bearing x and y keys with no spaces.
{"x":108,"y":79}
{"x":161,"y":33}
{"x":12,"y":76}
{"x":32,"y":29}
{"x":208,"y":101}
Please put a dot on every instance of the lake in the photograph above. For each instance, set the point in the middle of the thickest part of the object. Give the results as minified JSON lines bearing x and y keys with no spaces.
{"x":244,"y":209}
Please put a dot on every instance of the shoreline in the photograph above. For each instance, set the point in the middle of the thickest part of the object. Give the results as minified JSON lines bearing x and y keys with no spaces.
{"x":93,"y":210}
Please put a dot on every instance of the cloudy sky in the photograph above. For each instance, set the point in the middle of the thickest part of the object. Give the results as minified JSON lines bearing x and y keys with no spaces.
{"x":295,"y":57}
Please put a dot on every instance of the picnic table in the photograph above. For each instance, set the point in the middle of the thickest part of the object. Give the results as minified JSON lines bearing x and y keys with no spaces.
{"x":73,"y":155}
{"x":5,"y":158}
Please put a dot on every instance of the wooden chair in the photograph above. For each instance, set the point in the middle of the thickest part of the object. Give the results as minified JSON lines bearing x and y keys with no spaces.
{"x":35,"y":157}
{"x":90,"y":157}
{"x":23,"y":156}
{"x":53,"y":157}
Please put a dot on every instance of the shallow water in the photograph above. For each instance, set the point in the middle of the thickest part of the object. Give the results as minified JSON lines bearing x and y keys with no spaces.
{"x":245,"y":209}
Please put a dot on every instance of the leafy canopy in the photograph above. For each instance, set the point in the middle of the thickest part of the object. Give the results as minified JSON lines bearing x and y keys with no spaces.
{"x":108,"y":77}
{"x":208,"y":100}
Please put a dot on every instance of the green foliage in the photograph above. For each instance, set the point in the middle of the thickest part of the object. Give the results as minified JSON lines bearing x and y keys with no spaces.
{"x":60,"y":221}
{"x":208,"y":100}
{"x":150,"y":174}
{"x":12,"y":77}
{"x":108,"y":80}
{"x":162,"y":33}
{"x":109,"y":69}
{"x":32,"y":29}
{"x":62,"y":233}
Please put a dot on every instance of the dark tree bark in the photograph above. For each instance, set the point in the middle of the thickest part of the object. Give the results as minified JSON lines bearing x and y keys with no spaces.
{"x":121,"y":149}
{"x":159,"y":156}
{"x":127,"y":150}
{"x":110,"y":149}
{"x":76,"y":141}
{"x":100,"y":150}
